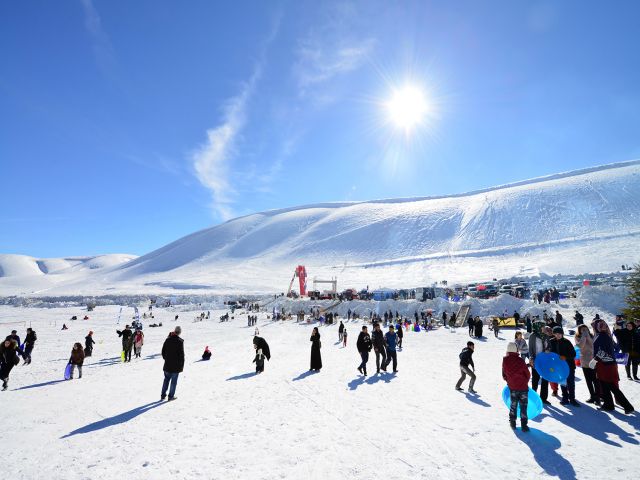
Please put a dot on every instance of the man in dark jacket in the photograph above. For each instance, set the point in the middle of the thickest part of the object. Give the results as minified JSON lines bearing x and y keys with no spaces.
{"x":564,"y":348}
{"x":8,"y":359}
{"x":29,"y":343}
{"x":341,"y":330}
{"x":466,"y":360}
{"x":558,"y":319}
{"x":471,"y":324}
{"x":578,"y":318}
{"x":517,"y":375}
{"x":173,"y":355}
{"x":127,"y":342}
{"x":378,"y":346}
{"x":390,"y":341}
{"x":364,"y":347}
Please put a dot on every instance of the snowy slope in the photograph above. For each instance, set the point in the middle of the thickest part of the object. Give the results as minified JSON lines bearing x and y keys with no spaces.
{"x":574,"y":222}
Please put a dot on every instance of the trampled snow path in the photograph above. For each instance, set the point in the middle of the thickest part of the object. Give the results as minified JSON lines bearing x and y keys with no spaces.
{"x":286,"y":423}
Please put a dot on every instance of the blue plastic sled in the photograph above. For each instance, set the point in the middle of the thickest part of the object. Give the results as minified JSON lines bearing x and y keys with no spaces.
{"x":534,"y":407}
{"x":621,"y":358}
{"x":577,"y":349}
{"x":552,"y":368}
{"x":67,"y":372}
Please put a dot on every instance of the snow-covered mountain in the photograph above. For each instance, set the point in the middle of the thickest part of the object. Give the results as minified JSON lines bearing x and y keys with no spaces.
{"x":586,"y":220}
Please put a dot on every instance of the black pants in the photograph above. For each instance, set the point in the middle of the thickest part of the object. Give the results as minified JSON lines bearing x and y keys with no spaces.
{"x":471,"y":330}
{"x":591,"y":381}
{"x":365,"y":358}
{"x":127,"y":354}
{"x":400,"y":341}
{"x":544,"y":386}
{"x":606,"y":389}
{"x":392,"y":355}
{"x":380,"y":353}
{"x":632,"y":362}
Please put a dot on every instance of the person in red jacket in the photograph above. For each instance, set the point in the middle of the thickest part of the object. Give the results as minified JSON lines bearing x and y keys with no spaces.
{"x":517,"y":375}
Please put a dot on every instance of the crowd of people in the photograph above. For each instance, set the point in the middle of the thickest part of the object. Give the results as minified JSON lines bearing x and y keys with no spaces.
{"x":598,"y":346}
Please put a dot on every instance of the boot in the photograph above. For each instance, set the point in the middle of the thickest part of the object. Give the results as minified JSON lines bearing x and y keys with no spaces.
{"x":525,"y":427}
{"x":512,"y":424}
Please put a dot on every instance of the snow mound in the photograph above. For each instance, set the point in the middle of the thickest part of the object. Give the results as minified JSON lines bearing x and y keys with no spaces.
{"x":604,"y":297}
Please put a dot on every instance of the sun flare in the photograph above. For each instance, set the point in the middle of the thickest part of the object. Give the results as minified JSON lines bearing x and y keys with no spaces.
{"x":407,"y":107}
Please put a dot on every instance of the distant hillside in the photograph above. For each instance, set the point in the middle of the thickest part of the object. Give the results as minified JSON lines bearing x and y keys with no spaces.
{"x":587,"y":220}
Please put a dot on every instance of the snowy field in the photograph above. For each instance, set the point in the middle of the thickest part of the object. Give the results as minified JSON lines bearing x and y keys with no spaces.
{"x":286,"y":423}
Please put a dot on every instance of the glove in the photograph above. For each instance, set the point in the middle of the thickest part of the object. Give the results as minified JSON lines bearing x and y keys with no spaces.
{"x":593,"y":363}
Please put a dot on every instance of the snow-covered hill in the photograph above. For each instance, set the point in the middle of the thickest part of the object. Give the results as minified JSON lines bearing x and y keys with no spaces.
{"x":587,"y":220}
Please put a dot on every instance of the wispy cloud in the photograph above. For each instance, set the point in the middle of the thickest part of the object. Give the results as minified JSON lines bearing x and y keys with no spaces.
{"x":332,"y":48}
{"x":211,"y":160}
{"x":101,"y":44}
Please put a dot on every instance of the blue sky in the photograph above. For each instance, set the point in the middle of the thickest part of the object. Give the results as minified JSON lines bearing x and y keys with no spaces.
{"x":125,"y":125}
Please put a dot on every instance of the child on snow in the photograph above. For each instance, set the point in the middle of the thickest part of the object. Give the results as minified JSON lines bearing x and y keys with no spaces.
{"x":259,"y":360}
{"x":207,"y":353}
{"x":77,"y":359}
{"x":523,"y":347}
{"x":516,"y":374}
{"x":138,"y":341}
{"x":344,"y":338}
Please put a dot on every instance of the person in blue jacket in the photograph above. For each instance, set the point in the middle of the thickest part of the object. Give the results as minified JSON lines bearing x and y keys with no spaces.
{"x":391,"y":340}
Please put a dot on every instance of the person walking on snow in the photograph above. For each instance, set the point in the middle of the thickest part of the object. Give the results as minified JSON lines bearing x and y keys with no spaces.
{"x":604,"y":363}
{"x":9,"y":358}
{"x":340,"y":331}
{"x":138,"y":341}
{"x":565,"y":350}
{"x":76,"y":359}
{"x":470,"y":323}
{"x":88,"y":344}
{"x":127,"y":342}
{"x":390,"y":341}
{"x":316,"y":358}
{"x":378,"y":346}
{"x":516,"y":374}
{"x":466,"y":360}
{"x":262,"y":351}
{"x":364,"y":347}
{"x":29,"y":343}
{"x":584,"y":341}
{"x":344,"y":338}
{"x":538,"y":343}
{"x":173,"y":355}
{"x":400,"y":336}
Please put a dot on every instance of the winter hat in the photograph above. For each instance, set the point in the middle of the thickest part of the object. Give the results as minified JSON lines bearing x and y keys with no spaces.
{"x":558,"y":330}
{"x":512,"y":347}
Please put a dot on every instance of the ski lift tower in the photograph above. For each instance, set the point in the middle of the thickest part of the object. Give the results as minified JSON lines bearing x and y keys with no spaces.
{"x":333,"y":282}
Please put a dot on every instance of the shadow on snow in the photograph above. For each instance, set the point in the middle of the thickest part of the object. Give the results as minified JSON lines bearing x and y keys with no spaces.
{"x":243,"y":376}
{"x":115,"y":420}
{"x":43,"y":384}
{"x":544,"y":448}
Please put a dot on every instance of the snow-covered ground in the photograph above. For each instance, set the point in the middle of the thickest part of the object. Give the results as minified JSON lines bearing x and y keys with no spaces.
{"x":286,"y":423}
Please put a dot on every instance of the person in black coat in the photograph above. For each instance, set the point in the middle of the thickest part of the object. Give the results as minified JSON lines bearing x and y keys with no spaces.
{"x":379,"y":347}
{"x":88,"y":344}
{"x":127,"y":342}
{"x":316,"y":359}
{"x":173,"y":355}
{"x":29,"y":343}
{"x":478,"y":327}
{"x":400,"y":335}
{"x":471,"y":324}
{"x":565,"y":350}
{"x":341,"y":330}
{"x":8,"y":359}
{"x":364,"y":347}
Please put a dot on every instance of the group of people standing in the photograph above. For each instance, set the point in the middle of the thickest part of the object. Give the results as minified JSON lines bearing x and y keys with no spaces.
{"x":131,"y":340}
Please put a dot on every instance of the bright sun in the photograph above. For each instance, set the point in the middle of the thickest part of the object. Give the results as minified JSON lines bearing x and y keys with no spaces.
{"x":407,"y":107}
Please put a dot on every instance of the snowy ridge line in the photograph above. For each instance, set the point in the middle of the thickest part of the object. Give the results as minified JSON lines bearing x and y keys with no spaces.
{"x":532,"y":181}
{"x":488,"y":252}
